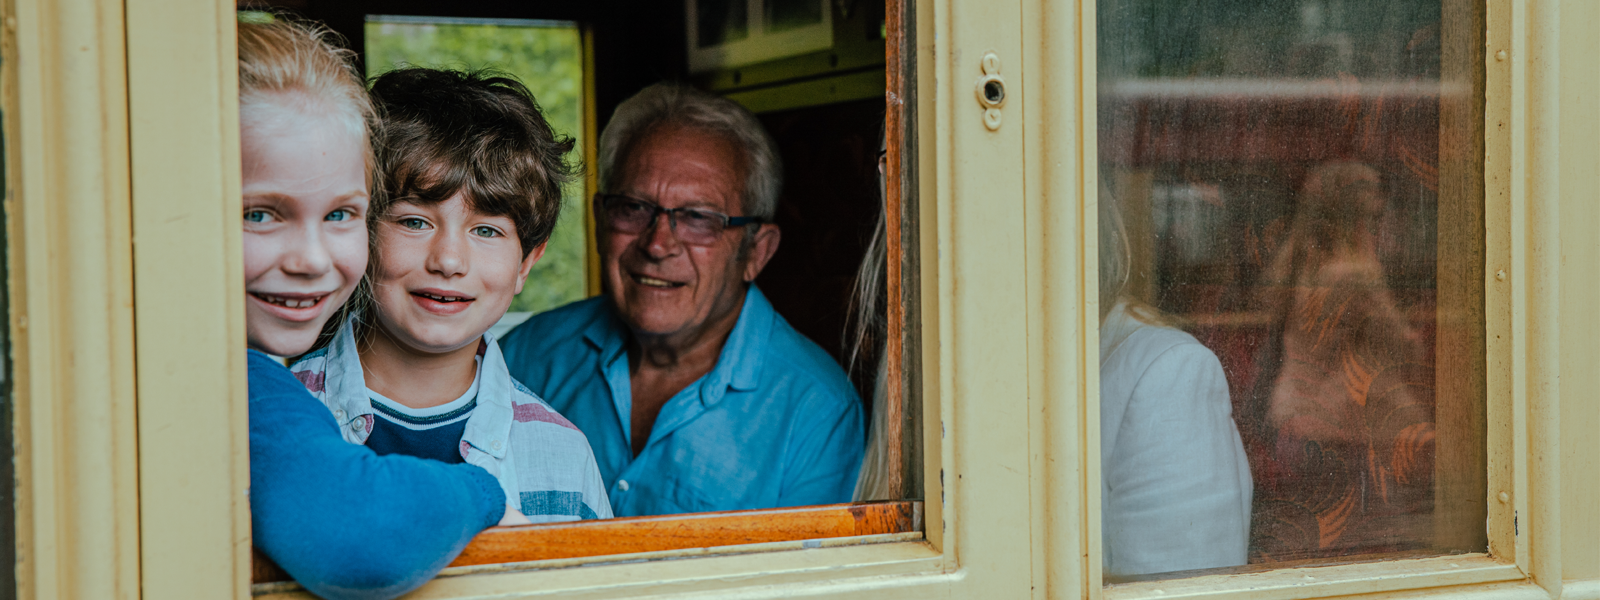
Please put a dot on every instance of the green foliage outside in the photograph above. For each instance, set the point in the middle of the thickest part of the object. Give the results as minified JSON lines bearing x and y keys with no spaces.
{"x":549,"y":61}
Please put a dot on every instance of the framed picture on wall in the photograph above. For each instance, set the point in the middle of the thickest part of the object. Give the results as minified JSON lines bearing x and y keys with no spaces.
{"x":734,"y":33}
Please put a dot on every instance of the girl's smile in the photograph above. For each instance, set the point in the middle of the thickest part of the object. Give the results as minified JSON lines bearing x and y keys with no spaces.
{"x":291,"y":307}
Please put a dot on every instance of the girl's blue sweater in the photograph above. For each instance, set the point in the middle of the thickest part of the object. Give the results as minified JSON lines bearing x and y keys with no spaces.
{"x":343,"y":521}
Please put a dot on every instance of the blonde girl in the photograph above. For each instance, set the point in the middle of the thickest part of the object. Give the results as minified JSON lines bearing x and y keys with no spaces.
{"x":343,"y":521}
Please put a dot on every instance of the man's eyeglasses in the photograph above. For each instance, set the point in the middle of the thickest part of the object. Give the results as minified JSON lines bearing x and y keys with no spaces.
{"x":695,"y":226}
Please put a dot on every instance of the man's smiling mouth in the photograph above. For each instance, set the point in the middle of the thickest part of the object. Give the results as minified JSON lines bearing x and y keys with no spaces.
{"x":653,"y":282}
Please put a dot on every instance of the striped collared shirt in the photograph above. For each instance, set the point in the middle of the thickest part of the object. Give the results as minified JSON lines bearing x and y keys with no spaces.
{"x":543,"y":462}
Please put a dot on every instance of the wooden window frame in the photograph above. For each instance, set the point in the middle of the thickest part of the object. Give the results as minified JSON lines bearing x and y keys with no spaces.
{"x":130,"y":408}
{"x":728,"y":532}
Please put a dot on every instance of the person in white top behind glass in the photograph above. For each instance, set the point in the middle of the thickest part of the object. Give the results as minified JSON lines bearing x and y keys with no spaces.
{"x":1175,"y":485}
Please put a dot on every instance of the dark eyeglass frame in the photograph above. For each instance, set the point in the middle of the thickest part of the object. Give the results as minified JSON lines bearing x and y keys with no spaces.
{"x":607,"y":201}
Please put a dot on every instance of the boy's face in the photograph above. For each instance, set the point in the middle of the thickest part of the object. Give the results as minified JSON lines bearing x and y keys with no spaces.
{"x":305,"y":229}
{"x":445,"y":273}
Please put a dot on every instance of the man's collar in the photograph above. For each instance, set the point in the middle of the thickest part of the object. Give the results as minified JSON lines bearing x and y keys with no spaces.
{"x":605,"y":331}
{"x":742,"y":359}
{"x":739,"y":363}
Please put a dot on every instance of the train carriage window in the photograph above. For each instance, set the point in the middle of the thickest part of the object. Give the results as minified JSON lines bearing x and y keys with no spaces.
{"x":846,"y":159}
{"x":1292,"y":245}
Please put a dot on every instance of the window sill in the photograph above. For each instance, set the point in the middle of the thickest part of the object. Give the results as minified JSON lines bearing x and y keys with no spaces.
{"x":1336,"y":580}
{"x":547,"y":547}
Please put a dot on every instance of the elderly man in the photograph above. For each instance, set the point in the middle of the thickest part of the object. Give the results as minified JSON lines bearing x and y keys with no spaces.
{"x":696,"y":395}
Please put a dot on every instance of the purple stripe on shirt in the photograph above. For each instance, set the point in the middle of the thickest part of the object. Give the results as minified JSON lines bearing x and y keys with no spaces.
{"x":533,"y":412}
{"x":313,"y":380}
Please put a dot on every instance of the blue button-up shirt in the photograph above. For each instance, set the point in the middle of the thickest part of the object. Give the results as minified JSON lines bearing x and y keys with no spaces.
{"x":775,"y":423}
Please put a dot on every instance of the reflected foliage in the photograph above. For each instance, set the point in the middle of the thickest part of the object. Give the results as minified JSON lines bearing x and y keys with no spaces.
{"x":548,"y":60}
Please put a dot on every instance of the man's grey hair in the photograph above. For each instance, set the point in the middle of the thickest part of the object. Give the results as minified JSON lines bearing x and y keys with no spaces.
{"x":681,"y":105}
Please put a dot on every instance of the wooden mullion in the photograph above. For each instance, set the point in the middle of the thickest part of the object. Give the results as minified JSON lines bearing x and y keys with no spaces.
{"x":904,"y":340}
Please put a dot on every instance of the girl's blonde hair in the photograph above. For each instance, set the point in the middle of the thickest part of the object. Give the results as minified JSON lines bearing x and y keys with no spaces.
{"x":290,"y":69}
{"x":290,"y":65}
{"x":1116,"y":265}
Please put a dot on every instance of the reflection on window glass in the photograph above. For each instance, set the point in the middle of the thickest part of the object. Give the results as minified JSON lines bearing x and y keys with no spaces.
{"x":1284,"y":356}
{"x":783,"y":15}
{"x":545,"y":56}
{"x":721,"y":21}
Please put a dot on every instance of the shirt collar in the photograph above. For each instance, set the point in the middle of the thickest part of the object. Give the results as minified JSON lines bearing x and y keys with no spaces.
{"x":489,"y":427}
{"x":605,"y":332}
{"x":1116,"y":328}
{"x":347,"y":383}
{"x":739,"y":364}
{"x":742,"y":359}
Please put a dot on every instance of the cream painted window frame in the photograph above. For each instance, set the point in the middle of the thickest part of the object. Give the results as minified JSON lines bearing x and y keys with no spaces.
{"x":121,"y":129}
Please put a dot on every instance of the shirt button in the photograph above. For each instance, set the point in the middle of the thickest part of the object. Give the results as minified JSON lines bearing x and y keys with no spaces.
{"x":358,"y":424}
{"x":497,"y":444}
{"x":622,"y":484}
{"x":338,"y":414}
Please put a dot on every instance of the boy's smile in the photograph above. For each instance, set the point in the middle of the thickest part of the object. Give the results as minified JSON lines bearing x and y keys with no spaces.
{"x":444,"y":274}
{"x":441,"y":302}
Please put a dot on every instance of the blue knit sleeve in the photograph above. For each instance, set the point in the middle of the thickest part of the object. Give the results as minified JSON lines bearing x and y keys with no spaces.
{"x":343,"y":521}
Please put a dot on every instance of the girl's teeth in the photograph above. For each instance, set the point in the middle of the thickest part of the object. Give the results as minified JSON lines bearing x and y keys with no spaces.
{"x":291,"y":303}
{"x":653,"y":282}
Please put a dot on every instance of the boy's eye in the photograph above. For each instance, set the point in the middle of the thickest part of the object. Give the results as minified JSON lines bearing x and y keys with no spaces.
{"x":257,"y":216}
{"x":343,"y":214}
{"x":485,"y":231}
{"x":413,"y":223}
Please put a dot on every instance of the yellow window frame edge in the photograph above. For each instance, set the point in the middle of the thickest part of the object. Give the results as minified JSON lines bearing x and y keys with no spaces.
{"x":71,"y":285}
{"x":193,"y":411}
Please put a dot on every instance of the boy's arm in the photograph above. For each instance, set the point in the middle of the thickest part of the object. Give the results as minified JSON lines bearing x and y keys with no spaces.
{"x":343,"y":521}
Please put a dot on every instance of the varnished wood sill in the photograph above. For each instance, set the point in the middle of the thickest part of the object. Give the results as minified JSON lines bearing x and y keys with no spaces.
{"x":643,"y":535}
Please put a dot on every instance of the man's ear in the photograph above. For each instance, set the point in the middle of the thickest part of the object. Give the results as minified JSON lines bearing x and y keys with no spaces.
{"x":762,"y":247}
{"x":527,"y":264}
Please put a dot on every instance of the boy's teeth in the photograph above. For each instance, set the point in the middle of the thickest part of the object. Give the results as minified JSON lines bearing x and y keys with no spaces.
{"x":651,"y":281}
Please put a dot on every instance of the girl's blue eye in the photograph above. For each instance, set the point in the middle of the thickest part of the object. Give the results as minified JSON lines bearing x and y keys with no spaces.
{"x":343,"y":214}
{"x":413,"y":223}
{"x":485,"y":231}
{"x":256,"y":216}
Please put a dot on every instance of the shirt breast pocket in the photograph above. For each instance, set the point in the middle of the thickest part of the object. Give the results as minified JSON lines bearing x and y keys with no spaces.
{"x":685,"y":497}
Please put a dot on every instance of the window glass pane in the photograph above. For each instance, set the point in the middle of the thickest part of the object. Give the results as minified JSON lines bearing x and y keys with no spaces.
{"x":1291,"y":266}
{"x":546,"y":56}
